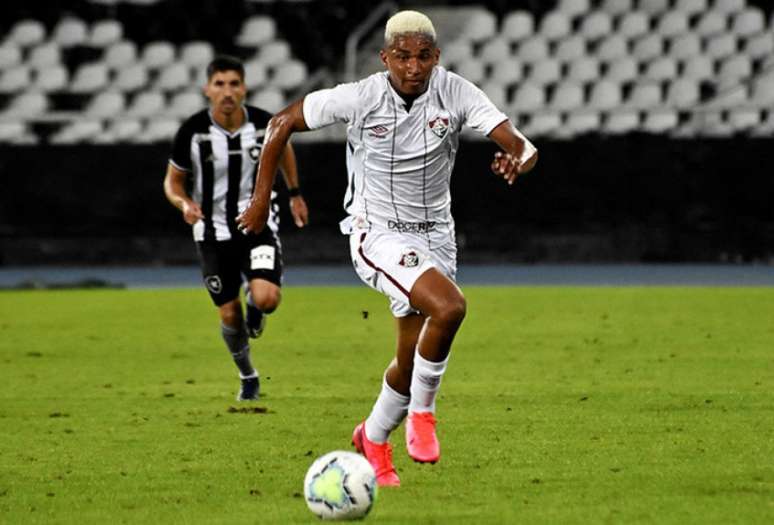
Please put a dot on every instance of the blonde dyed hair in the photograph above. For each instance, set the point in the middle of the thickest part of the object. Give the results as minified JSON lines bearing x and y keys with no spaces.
{"x":404,"y":22}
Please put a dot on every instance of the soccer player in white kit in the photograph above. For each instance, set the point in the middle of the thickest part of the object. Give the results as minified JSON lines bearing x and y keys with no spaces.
{"x":402,"y":137}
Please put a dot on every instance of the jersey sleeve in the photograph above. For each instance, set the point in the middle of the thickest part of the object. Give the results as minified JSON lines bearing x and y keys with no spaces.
{"x":476,"y":109}
{"x":181,"y":148}
{"x":328,"y":106}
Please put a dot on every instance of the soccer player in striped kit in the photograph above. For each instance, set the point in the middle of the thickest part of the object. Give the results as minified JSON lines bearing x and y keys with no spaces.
{"x":219,"y":148}
{"x":402,"y":137}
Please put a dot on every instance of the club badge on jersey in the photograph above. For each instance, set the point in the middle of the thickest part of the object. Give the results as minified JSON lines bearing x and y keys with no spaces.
{"x":439,"y":126}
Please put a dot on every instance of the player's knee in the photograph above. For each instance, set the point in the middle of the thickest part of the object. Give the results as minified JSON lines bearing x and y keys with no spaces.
{"x":453,"y":312}
{"x":230,"y":317}
{"x":269,"y":300}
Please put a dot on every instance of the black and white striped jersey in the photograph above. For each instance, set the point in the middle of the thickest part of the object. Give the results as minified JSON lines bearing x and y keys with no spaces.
{"x":223,"y":166}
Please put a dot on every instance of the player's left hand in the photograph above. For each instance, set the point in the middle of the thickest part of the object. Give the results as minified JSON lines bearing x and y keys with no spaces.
{"x":506,"y":166}
{"x":299,"y":211}
{"x":254,"y":218}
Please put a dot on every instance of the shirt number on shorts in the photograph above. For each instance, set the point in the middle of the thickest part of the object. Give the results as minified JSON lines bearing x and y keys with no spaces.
{"x":262,"y":258}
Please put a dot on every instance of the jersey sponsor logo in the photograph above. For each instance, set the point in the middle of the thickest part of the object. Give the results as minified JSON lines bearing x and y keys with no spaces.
{"x":439,"y":126}
{"x":411,"y":227}
{"x":378,"y":131}
{"x":409,"y":259}
{"x":262,"y":257}
{"x":213,"y":283}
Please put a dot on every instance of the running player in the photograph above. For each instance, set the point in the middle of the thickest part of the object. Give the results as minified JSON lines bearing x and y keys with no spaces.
{"x":402,"y":136}
{"x":220,"y":147}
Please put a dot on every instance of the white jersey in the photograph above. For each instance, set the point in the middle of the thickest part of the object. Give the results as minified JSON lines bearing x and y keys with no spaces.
{"x":400,"y":161}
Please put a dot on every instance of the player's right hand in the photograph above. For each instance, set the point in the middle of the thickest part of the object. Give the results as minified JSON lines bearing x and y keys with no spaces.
{"x":192,"y":213}
{"x":254,"y":218}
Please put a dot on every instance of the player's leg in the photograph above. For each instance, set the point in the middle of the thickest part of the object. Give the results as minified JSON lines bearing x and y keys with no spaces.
{"x":262,"y":267}
{"x":262,"y":298}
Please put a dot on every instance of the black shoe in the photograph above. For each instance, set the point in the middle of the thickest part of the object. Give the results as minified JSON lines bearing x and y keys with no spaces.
{"x":251,"y":389}
{"x":256,"y":321}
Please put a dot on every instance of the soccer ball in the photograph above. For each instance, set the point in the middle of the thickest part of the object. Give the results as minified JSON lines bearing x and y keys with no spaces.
{"x":340,"y":485}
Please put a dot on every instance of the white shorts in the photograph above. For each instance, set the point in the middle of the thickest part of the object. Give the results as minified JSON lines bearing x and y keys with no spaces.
{"x":391,"y":263}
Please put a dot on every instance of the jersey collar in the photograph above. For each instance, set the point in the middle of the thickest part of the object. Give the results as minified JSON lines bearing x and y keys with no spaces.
{"x":224,"y":130}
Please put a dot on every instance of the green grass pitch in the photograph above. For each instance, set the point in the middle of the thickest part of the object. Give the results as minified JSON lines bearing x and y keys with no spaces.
{"x":560,"y":405}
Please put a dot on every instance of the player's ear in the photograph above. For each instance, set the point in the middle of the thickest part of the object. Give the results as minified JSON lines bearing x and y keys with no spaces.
{"x":437,"y":53}
{"x":383,"y":56}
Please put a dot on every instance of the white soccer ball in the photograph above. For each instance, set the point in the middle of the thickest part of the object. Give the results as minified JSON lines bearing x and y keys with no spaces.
{"x":340,"y":485}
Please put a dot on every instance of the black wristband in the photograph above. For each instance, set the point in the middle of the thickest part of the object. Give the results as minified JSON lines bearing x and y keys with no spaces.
{"x":294,"y":192}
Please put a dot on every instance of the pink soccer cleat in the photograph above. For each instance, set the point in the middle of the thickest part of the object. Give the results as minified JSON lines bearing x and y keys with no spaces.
{"x":421,"y":441}
{"x":379,"y":455}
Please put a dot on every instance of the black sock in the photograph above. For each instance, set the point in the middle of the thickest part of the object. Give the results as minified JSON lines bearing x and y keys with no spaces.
{"x":238,"y":345}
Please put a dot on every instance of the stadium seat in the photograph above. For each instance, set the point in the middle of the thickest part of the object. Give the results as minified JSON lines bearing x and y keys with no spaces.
{"x":274,"y":53}
{"x":119,"y":131}
{"x":496,"y":93}
{"x":570,"y":48}
{"x":272,"y":100}
{"x":120,"y":54}
{"x":759,"y":46}
{"x":762,"y":92}
{"x":131,"y":78}
{"x":533,"y":50}
{"x":711,"y":23}
{"x":292,"y":74}
{"x":568,"y":96}
{"x":617,"y":7}
{"x":573,"y":8}
{"x":44,"y":55}
{"x":528,"y":97}
{"x":612,"y":48}
{"x":16,"y":132}
{"x":584,"y":69}
{"x":26,"y":106}
{"x":542,"y":124}
{"x":493,"y":52}
{"x":256,"y":30}
{"x":728,"y":6}
{"x":621,"y":121}
{"x":721,"y":46}
{"x":77,"y":132}
{"x":15,"y":79}
{"x":478,"y":26}
{"x":146,"y":104}
{"x":605,"y":95}
{"x":156,"y":55}
{"x":255,"y":74}
{"x":766,"y":127}
{"x":658,"y":121}
{"x":517,"y":25}
{"x":107,"y":104}
{"x":653,"y":7}
{"x":748,"y":22}
{"x":733,"y":97}
{"x":699,"y":67}
{"x":648,"y":47}
{"x":685,"y":46}
{"x":105,"y":32}
{"x":50,"y":79}
{"x":508,"y":71}
{"x":158,"y":130}
{"x":713,"y":125}
{"x":660,"y":69}
{"x":174,"y":77}
{"x":582,"y":122}
{"x":682,"y":93}
{"x":622,"y":70}
{"x":672,"y":23}
{"x":595,"y":25}
{"x":545,"y":72}
{"x":633,"y":24}
{"x":185,"y":104}
{"x":691,"y":7}
{"x":744,"y":119}
{"x":90,"y":77}
{"x":734,"y":69}
{"x":69,"y":32}
{"x":645,"y":95}
{"x":555,"y":25}
{"x":472,"y":69}
{"x":456,"y":52}
{"x":197,"y":53}
{"x":10,"y":55}
{"x":26,"y":33}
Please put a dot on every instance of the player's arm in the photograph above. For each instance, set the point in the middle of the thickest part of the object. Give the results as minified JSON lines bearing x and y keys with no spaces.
{"x":278,"y":132}
{"x":289,"y":169}
{"x":174,"y":189}
{"x":519,"y":155}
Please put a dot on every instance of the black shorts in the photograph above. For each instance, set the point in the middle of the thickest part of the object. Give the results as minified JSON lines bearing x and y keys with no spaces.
{"x":226,"y":263}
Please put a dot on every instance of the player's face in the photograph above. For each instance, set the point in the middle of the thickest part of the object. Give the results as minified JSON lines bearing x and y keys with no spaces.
{"x":410,"y":60}
{"x":226,"y":91}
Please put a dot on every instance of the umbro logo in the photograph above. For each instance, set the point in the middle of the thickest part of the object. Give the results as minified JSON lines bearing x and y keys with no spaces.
{"x":378,"y":131}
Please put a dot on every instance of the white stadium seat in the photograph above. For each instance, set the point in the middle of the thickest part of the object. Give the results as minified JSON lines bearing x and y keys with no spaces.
{"x":766,"y":127}
{"x":653,"y":7}
{"x":570,"y":48}
{"x":26,"y":33}
{"x":748,"y":22}
{"x":611,"y":48}
{"x":290,"y":75}
{"x":146,"y":104}
{"x":77,"y":132}
{"x":274,"y":52}
{"x":272,"y":100}
{"x":721,"y":46}
{"x":648,"y":47}
{"x":174,"y":77}
{"x":45,"y":55}
{"x":90,"y":77}
{"x":256,"y":30}
{"x":517,"y":25}
{"x":634,"y":24}
{"x":596,"y":25}
{"x":660,"y":69}
{"x":734,"y":69}
{"x":10,"y":55}
{"x":120,"y":130}
{"x":473,"y":70}
{"x":605,"y":95}
{"x":197,"y":54}
{"x":255,"y":73}
{"x":617,"y":7}
{"x":455,"y":52}
{"x":496,"y":93}
{"x":733,"y":97}
{"x":543,"y":123}
{"x":658,"y":121}
{"x":682,"y":93}
{"x":583,"y":122}
{"x":744,"y":119}
{"x":16,"y":78}
{"x":106,"y":104}
{"x":573,"y":8}
{"x":545,"y":72}
{"x":691,"y":7}
{"x":105,"y":32}
{"x":479,"y":25}
{"x":713,"y":125}
{"x":711,"y":23}
{"x":156,"y":55}
{"x":568,"y":96}
{"x":623,"y":69}
{"x":555,"y":25}
{"x":51,"y":79}
{"x":685,"y":46}
{"x":584,"y":69}
{"x":762,"y":93}
{"x":69,"y":32}
{"x":131,"y":77}
{"x":728,"y":6}
{"x":528,"y":97}
{"x":27,"y":106}
{"x":645,"y":95}
{"x":533,"y":50}
{"x":760,"y":46}
{"x":158,"y":130}
{"x":621,"y":121}
{"x":185,"y":104}
{"x":508,"y":71}
{"x":699,"y":67}
{"x":16,"y":132}
{"x":120,"y":54}
{"x":494,"y":51}
{"x":672,"y":23}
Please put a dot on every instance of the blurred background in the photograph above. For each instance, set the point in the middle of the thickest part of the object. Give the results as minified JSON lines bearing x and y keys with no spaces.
{"x":654,"y":120}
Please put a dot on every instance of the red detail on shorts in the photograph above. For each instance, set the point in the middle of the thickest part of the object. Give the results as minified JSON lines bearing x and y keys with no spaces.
{"x":370,"y":263}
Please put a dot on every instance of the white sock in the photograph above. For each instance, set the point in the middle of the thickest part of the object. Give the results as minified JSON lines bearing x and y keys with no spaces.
{"x":425,"y":382}
{"x":388,"y":412}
